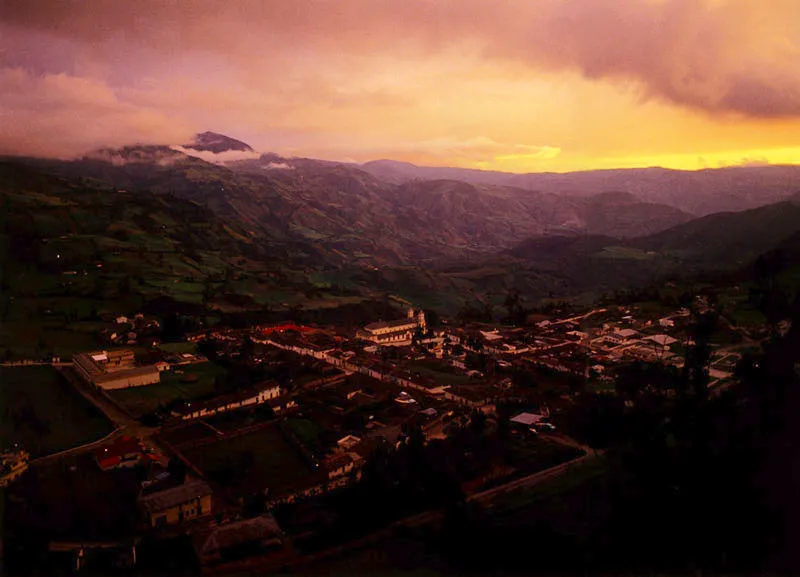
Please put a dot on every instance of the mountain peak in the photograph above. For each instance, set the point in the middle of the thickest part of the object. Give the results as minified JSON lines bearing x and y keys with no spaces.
{"x":217,"y":143}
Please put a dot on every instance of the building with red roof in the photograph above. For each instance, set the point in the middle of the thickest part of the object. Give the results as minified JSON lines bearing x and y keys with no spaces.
{"x":122,"y":452}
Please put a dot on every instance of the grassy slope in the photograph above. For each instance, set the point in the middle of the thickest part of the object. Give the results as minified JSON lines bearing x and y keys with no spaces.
{"x":41,"y":411}
{"x":73,"y":248}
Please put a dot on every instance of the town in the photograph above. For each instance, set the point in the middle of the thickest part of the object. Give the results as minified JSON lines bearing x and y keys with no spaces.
{"x":227,"y":449}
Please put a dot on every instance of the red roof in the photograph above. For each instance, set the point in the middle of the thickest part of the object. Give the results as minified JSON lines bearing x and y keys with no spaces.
{"x":121,"y":447}
{"x":287,"y":327}
{"x":109,"y":462}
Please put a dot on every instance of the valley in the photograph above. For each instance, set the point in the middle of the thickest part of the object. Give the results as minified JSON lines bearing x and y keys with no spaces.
{"x":256,"y":297}
{"x":151,"y":227}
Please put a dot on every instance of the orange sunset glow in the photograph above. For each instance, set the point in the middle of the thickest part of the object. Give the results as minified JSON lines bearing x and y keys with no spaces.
{"x":512,"y":85}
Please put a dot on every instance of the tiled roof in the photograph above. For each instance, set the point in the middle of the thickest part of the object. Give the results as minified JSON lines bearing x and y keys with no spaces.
{"x":390,"y":324}
{"x":163,"y":500}
{"x":121,"y":447}
{"x":257,"y":529}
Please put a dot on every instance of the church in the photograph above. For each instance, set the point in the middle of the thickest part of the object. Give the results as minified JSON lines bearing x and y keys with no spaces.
{"x":394,"y":333}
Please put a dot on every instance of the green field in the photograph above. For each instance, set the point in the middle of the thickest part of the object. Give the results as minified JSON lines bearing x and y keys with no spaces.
{"x":439,"y":371}
{"x":252,"y":462}
{"x":40,"y":410}
{"x":307,"y":432}
{"x":143,"y":400}
{"x":178,"y":348}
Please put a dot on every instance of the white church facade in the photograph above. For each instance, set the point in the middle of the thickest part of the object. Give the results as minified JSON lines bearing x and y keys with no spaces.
{"x":396,"y":333}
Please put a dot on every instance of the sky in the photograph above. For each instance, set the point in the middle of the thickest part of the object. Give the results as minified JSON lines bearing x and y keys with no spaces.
{"x":513,"y":85}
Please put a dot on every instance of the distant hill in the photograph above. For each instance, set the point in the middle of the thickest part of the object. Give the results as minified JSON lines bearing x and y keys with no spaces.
{"x":719,"y":242}
{"x":623,"y":215}
{"x":697,"y":192}
{"x":729,"y":239}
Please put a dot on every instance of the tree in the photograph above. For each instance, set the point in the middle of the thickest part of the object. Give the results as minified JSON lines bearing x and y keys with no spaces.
{"x":177,"y":468}
{"x":477,"y":422}
{"x":172,"y":328}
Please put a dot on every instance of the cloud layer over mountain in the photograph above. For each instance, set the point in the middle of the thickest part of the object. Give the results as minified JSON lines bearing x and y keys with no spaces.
{"x":340,"y":78}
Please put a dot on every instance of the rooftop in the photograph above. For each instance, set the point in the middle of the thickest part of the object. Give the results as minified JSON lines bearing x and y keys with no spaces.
{"x":390,"y":324}
{"x":120,"y":447}
{"x":246,"y":531}
{"x":163,"y":500}
{"x":527,"y":419}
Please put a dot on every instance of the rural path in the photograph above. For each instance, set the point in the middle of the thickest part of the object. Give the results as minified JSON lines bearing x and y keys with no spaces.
{"x":34,"y":364}
{"x":124,"y":424}
{"x":80,"y":449}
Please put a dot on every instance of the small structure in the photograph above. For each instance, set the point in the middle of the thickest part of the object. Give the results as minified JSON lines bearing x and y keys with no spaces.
{"x":340,"y":464}
{"x":622,"y":336}
{"x":662,"y":340}
{"x":348,"y":442}
{"x":260,"y":393}
{"x":121,"y":453}
{"x":527,"y":419}
{"x":240,"y":539}
{"x":177,"y":504}
{"x":12,"y":465}
{"x":405,"y":399}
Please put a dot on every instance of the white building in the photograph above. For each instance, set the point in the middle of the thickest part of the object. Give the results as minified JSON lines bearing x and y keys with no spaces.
{"x":114,"y":369}
{"x":258,"y":394}
{"x":622,"y":336}
{"x":395,"y":333}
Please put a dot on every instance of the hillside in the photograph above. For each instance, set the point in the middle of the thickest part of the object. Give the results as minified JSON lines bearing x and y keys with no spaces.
{"x":75,"y":251}
{"x":320,"y":226}
{"x":719,"y":242}
{"x":726,"y":239}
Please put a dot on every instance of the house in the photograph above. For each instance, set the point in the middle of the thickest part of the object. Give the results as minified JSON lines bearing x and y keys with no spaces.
{"x":663,"y":340}
{"x":340,"y":464}
{"x":121,"y":453}
{"x":115,"y":369}
{"x":233,"y":541}
{"x":666,"y":322}
{"x":533,"y":422}
{"x":527,"y":419}
{"x":348,"y":442}
{"x":282,"y":403}
{"x":255,"y":395}
{"x":394,"y":333}
{"x":175,"y":505}
{"x":622,"y":336}
{"x":578,"y":335}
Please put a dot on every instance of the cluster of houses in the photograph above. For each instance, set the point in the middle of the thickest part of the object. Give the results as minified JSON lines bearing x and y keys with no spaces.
{"x":385,"y":377}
